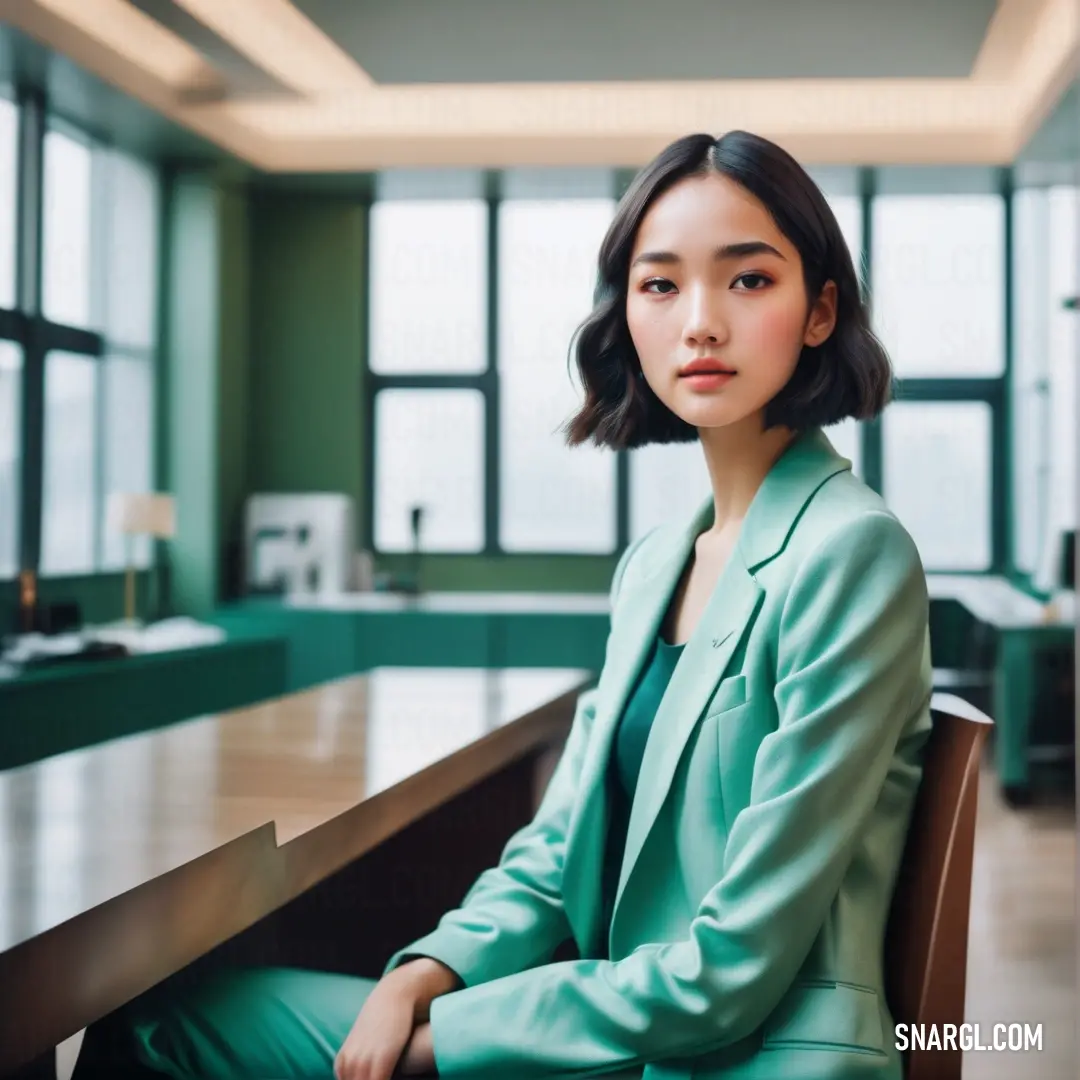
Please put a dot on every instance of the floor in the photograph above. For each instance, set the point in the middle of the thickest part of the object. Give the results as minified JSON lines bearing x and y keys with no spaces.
{"x":1022,"y":962}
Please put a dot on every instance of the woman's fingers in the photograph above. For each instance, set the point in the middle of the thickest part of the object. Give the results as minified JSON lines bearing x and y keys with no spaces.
{"x":365,"y":1065}
{"x":380,"y":1034}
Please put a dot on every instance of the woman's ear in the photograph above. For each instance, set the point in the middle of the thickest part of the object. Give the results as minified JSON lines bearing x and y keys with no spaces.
{"x":822,"y":318}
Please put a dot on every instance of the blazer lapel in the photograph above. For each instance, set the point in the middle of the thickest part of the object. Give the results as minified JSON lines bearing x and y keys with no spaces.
{"x":806,"y":464}
{"x":647,"y":592}
{"x":701,"y":666}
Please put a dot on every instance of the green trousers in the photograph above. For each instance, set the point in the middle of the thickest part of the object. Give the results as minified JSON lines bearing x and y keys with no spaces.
{"x":240,"y":1024}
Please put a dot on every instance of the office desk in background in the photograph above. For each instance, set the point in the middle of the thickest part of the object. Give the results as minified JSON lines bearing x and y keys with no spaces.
{"x":337,"y":635}
{"x":1023,"y":638}
{"x":331,"y":635}
{"x":51,"y":710}
{"x":325,"y":829}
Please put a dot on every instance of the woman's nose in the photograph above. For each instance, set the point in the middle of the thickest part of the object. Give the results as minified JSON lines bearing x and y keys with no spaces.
{"x":704,"y":322}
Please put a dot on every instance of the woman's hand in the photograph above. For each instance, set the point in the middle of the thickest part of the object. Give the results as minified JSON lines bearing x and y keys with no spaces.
{"x":419,"y":1056}
{"x":381,"y":1031}
{"x":385,"y":1025}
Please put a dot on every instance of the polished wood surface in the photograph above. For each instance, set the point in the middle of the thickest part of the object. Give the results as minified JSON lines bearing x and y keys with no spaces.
{"x":121,"y":863}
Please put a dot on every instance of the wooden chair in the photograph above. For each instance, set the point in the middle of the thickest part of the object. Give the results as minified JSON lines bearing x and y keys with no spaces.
{"x":927,"y":936}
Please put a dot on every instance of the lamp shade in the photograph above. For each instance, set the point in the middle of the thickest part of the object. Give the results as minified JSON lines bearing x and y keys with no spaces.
{"x":142,"y":513}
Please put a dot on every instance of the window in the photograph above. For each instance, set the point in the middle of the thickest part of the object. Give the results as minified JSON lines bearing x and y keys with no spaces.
{"x":552,"y":497}
{"x":668,"y":482}
{"x":950,"y":518}
{"x":1045,"y":353}
{"x":130,"y":252}
{"x":840,"y":186}
{"x":428,"y":267}
{"x":69,"y":495}
{"x":127,"y":438}
{"x":1031,"y":429}
{"x":429,"y":452}
{"x":847,"y":209}
{"x":1063,"y":352}
{"x":9,"y":158}
{"x":428,"y":273}
{"x":933,"y":256}
{"x":130,"y":289}
{"x":66,"y":230}
{"x":10,"y":437}
{"x":93,"y":344}
{"x":938,"y":282}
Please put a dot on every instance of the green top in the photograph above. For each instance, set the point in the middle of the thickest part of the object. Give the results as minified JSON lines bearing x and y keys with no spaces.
{"x":625,"y":763}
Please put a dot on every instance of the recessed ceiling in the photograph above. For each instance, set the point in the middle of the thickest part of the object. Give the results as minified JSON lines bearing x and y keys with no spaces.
{"x":484,"y":41}
{"x":325,"y":86}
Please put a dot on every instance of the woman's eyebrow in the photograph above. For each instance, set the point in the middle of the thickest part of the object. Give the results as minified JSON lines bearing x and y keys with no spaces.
{"x":725,"y":251}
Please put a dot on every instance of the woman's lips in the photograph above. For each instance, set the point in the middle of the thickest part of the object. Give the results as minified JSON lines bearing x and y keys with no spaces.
{"x":708,"y":380}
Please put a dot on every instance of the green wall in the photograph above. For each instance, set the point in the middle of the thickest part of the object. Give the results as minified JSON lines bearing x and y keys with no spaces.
{"x":307,"y":341}
{"x":206,"y":385}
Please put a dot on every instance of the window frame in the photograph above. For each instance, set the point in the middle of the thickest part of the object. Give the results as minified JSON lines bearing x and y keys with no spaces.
{"x":38,"y":336}
{"x":866,"y":183}
{"x":992,"y":390}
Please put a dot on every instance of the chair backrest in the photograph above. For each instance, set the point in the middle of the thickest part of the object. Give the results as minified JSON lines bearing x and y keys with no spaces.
{"x":927,"y":937}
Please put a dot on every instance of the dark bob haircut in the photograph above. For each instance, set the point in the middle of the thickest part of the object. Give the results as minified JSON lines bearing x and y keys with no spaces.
{"x":848,"y":375}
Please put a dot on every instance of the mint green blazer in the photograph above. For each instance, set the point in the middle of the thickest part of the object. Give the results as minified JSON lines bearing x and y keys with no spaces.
{"x":766,"y":831}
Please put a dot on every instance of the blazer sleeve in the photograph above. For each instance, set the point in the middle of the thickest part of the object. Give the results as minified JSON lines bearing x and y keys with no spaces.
{"x":513,"y":918}
{"x":851,"y":677}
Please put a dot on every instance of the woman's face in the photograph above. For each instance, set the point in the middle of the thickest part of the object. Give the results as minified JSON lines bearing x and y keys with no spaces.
{"x":713,"y":278}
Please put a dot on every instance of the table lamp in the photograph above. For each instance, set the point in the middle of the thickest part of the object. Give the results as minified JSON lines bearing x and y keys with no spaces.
{"x":139,"y":514}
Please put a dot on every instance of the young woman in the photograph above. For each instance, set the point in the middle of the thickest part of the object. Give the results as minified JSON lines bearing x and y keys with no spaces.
{"x":723,"y":832}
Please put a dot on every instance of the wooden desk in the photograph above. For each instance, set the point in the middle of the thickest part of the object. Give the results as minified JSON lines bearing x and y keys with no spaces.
{"x":124,"y":863}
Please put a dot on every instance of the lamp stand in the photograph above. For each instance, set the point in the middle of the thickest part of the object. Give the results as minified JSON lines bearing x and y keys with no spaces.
{"x":129,"y":584}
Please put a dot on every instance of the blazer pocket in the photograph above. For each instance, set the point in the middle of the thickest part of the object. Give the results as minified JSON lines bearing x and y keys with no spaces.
{"x":826,"y":1015}
{"x":730,"y":694}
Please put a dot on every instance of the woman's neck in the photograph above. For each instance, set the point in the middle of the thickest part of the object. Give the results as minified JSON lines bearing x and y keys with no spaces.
{"x":739,"y":457}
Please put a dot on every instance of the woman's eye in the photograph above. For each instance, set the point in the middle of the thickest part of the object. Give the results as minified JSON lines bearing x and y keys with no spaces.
{"x":753,"y":282}
{"x":648,"y":286}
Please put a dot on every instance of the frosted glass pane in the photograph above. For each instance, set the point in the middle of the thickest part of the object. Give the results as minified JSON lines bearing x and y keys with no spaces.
{"x":131,"y":251}
{"x":938,"y":283}
{"x":1031,"y":285}
{"x":553,"y":497}
{"x":847,"y":209}
{"x":428,"y":286}
{"x":10,"y":438}
{"x":66,"y":230}
{"x":68,"y":511}
{"x":1064,"y":353}
{"x":9,"y":155}
{"x":937,"y":479}
{"x":128,"y":387}
{"x":668,"y":483}
{"x":429,"y":450}
{"x":846,"y":438}
{"x":1031,"y":430}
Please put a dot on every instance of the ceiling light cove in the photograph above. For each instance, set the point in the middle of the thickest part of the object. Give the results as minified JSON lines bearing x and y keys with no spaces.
{"x":282,"y":41}
{"x":285,"y":85}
